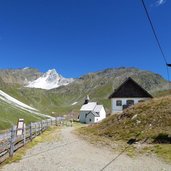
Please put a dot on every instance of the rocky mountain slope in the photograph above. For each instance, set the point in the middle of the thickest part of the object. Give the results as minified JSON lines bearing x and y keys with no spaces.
{"x":19,"y":76}
{"x":150,"y":81}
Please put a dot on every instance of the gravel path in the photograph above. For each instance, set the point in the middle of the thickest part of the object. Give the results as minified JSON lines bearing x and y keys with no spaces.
{"x":71,"y":153}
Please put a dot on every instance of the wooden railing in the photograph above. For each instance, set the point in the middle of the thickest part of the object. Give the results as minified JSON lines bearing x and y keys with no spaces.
{"x":10,"y":142}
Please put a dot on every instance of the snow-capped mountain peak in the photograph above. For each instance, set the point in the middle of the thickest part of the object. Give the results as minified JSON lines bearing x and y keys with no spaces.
{"x":51,"y":75}
{"x":49,"y":80}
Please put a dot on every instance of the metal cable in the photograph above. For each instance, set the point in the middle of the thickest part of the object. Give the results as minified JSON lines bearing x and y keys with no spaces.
{"x":157,"y":40}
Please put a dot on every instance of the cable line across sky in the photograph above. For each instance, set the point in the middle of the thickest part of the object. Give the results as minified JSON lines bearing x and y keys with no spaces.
{"x":157,"y":40}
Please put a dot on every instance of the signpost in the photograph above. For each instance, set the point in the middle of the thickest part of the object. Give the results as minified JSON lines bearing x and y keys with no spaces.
{"x":20,"y":127}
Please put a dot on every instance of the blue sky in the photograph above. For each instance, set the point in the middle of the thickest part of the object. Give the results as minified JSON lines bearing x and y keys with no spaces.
{"x":80,"y":36}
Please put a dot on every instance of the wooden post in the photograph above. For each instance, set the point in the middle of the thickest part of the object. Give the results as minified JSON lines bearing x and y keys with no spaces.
{"x":71,"y":122}
{"x":24,"y":134}
{"x":51,"y":121}
{"x":41,"y":124}
{"x":35,"y":129}
{"x":31,"y":131}
{"x":46,"y":124}
{"x":39,"y":128}
{"x":56,"y":121}
{"x":12,"y":141}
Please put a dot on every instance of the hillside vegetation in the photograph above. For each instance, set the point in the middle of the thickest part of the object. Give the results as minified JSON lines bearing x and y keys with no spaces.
{"x":146,"y":123}
{"x":149,"y":121}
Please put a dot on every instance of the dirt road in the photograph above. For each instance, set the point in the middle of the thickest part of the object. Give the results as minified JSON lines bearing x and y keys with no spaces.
{"x":72,"y":153}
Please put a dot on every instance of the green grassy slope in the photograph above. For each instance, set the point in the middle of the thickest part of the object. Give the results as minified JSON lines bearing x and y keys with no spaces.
{"x":9,"y":115}
{"x":45,"y":101}
{"x":60,"y":100}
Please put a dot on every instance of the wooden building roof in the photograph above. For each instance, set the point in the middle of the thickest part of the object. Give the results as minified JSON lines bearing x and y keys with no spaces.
{"x":128,"y":89}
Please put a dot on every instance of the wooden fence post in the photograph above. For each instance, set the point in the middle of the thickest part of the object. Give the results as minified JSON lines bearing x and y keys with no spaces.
{"x":24,"y":134}
{"x":38,"y":128}
{"x":12,"y":141}
{"x":71,"y":121}
{"x":56,"y":121}
{"x":31,"y":131}
{"x":35,"y":129}
{"x":51,"y":121}
{"x":41,"y":126}
{"x":46,"y":123}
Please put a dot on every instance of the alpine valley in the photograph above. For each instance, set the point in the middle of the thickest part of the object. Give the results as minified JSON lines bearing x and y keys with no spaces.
{"x":28,"y":93}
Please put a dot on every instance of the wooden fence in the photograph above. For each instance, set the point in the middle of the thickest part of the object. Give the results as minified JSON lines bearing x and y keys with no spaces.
{"x":10,"y":142}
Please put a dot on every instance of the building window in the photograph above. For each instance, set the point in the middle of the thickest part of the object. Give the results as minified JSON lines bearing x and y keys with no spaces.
{"x":140,"y":101}
{"x":129,"y":102}
{"x":90,"y":120}
{"x":118,"y":102}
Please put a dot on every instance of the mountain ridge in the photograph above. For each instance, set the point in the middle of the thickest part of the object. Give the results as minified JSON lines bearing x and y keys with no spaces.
{"x":98,"y":85}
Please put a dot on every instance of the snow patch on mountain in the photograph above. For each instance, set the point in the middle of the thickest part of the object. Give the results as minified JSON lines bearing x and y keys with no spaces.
{"x":25,"y":68}
{"x":18,"y":104}
{"x":50,"y":80}
{"x":74,"y":103}
{"x":7,"y":98}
